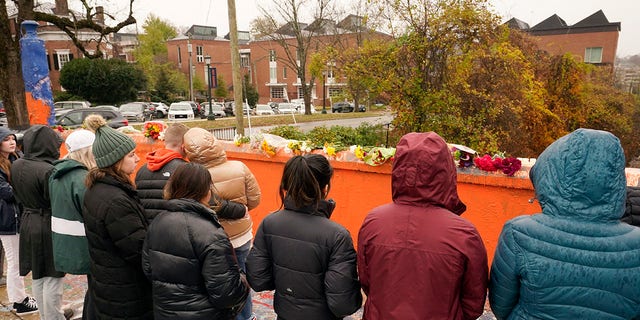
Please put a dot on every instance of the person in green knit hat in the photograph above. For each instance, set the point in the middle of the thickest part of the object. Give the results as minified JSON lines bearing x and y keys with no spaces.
{"x":116,"y":226}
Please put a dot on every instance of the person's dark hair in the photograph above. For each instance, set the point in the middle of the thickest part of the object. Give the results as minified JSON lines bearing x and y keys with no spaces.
{"x":189,"y":181}
{"x":303,"y":179}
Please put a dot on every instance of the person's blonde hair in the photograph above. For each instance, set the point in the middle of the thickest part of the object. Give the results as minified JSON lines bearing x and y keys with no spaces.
{"x":173,"y":135}
{"x":84,"y":156}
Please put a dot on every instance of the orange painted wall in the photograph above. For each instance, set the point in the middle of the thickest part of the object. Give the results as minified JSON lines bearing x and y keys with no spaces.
{"x":491,"y":198}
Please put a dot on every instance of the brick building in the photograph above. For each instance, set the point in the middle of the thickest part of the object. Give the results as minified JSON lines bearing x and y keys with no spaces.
{"x":593,"y":39}
{"x":59,"y":47}
{"x":265,"y":60}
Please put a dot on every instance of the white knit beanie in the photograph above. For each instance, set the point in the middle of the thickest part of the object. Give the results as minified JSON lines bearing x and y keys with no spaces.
{"x":79,"y":139}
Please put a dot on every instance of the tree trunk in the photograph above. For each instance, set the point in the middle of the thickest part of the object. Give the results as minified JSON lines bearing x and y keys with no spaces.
{"x":11,"y":82}
{"x":235,"y":67}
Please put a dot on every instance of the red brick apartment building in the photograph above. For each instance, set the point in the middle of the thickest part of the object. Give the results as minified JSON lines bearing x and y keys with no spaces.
{"x":59,"y":47}
{"x":594,"y":39}
{"x":265,"y":60}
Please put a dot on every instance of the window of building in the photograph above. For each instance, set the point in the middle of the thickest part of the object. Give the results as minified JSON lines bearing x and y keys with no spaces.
{"x":277,"y":92}
{"x":333,"y":92}
{"x":300,"y":93}
{"x":60,"y":58}
{"x":272,"y":55}
{"x":284,"y":72}
{"x":593,"y":55}
{"x":244,"y":60}
{"x":179,"y":56}
{"x":199,"y":54}
{"x":273,"y":72}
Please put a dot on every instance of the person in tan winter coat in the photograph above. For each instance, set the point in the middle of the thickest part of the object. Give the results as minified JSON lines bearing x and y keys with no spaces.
{"x":233,"y":181}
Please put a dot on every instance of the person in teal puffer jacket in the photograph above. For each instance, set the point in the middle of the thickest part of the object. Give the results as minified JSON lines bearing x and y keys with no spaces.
{"x":575,"y":260}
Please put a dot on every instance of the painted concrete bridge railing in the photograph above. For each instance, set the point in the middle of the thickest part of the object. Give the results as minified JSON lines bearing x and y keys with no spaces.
{"x":491,"y":198}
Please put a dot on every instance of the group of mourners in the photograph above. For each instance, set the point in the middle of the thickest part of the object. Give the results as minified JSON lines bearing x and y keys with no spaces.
{"x":177,"y":242}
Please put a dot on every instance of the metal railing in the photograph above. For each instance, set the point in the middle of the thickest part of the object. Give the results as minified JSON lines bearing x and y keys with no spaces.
{"x":226,"y":133}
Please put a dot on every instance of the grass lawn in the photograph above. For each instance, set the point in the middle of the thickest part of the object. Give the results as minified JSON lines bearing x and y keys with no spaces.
{"x":275,"y":120}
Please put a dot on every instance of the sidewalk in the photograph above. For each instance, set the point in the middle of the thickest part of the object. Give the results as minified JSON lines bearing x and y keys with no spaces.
{"x":75,"y":287}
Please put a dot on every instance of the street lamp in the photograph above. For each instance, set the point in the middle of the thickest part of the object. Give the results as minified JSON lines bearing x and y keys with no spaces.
{"x":207,"y":60}
{"x":324,"y":92}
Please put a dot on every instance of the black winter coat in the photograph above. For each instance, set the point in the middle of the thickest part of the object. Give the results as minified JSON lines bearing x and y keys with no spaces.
{"x":150,"y":185}
{"x":30,"y":182}
{"x":192,"y":266}
{"x":632,"y":211}
{"x":310,"y":262}
{"x":116,"y":226}
{"x":10,"y":210}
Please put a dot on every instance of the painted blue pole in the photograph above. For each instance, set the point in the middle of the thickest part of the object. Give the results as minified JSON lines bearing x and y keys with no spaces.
{"x":35,"y":71}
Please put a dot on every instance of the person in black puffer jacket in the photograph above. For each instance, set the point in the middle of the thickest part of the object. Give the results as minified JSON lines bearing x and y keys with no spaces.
{"x":152,"y":177}
{"x":632,"y":210}
{"x":308,"y":259}
{"x":188,"y":257}
{"x":115,"y":225}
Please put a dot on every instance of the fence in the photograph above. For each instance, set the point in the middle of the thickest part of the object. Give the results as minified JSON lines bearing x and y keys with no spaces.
{"x":226,"y":133}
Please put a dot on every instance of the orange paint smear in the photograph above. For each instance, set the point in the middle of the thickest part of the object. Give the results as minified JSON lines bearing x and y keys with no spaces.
{"x":38,"y":111}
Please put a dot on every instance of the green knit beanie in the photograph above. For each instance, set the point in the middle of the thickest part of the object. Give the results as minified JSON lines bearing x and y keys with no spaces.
{"x":110,"y":145}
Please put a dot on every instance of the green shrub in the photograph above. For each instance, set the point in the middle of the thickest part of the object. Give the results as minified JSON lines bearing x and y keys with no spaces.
{"x":288,"y":132}
{"x":344,"y":136}
{"x":370,"y":135}
{"x":321,"y":135}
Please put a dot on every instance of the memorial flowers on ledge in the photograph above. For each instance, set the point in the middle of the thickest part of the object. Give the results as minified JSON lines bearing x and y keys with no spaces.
{"x":153,"y":130}
{"x":298,"y":147}
{"x":268,"y":149}
{"x":508,"y":165}
{"x":239,"y":140}
{"x":329,"y":150}
{"x":358,"y":151}
{"x":378,"y":156}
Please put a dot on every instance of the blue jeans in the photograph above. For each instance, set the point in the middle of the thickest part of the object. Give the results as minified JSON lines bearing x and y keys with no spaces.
{"x":242,"y":253}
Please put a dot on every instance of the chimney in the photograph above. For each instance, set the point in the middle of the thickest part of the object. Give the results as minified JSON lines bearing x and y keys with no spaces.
{"x":62,"y":8}
{"x":100,"y":15}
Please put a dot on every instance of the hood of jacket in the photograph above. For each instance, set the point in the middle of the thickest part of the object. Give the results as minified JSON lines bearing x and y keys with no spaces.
{"x":201,"y":146}
{"x":41,"y":143}
{"x":581,"y":176}
{"x":157,"y":159}
{"x":424,"y":173}
{"x":65,"y":166}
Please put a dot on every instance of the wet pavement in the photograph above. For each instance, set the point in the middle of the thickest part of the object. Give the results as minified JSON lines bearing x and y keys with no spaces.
{"x":76,"y":286}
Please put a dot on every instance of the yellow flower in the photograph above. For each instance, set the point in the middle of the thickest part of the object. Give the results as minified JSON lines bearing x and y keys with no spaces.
{"x":329,"y":150}
{"x":359,"y":152}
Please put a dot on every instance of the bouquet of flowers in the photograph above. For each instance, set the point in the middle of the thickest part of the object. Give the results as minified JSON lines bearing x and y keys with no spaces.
{"x":153,"y":130}
{"x":298,"y":147}
{"x":329,"y":149}
{"x":377,"y":156}
{"x":358,"y":151}
{"x":508,"y":165}
{"x":239,"y":139}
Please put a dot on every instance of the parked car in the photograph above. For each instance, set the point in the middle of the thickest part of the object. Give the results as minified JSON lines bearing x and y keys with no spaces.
{"x":135,"y":111}
{"x":342,"y":106}
{"x":180,"y":111}
{"x":287,"y":107}
{"x":159,"y":108}
{"x":74,"y":118}
{"x":216,"y":108}
{"x":263,"y":110}
{"x":230,"y":108}
{"x":197,"y":110}
{"x":62,"y":107}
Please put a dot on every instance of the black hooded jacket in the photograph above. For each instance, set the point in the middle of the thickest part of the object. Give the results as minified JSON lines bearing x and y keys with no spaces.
{"x":192,"y":266}
{"x":632,"y":210}
{"x":310,"y":262}
{"x":30,"y":182}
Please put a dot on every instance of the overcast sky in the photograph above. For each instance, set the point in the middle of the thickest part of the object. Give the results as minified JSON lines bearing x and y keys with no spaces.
{"x":184,"y":13}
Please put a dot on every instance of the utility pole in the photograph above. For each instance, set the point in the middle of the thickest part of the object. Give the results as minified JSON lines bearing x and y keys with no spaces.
{"x":235,"y":67}
{"x":190,"y":50}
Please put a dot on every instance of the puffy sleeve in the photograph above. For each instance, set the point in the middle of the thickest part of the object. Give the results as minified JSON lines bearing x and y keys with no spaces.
{"x":341,"y":279}
{"x":252,"y":189}
{"x":363,"y":270}
{"x":259,"y":266}
{"x":504,"y":285}
{"x":225,"y":283}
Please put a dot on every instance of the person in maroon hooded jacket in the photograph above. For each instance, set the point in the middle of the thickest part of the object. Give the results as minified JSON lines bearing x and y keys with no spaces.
{"x":417,"y":258}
